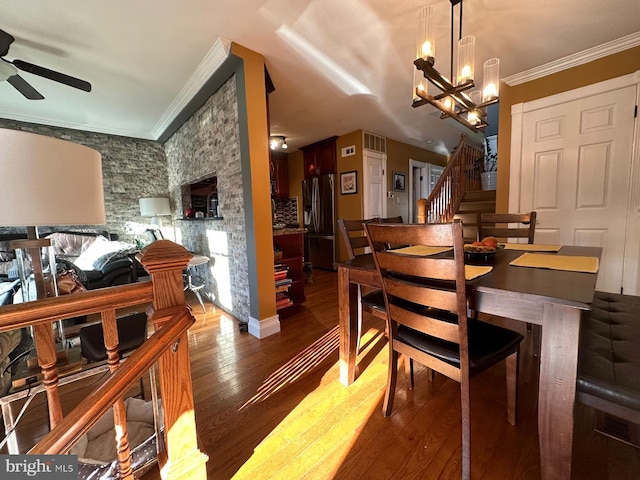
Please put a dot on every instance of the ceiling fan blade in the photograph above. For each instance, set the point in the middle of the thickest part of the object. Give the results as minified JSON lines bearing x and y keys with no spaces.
{"x":24,"y":88}
{"x":5,"y":41}
{"x":52,"y":75}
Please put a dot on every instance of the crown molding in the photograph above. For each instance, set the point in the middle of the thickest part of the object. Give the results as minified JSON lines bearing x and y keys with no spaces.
{"x":216,"y":56}
{"x":580,"y":58}
{"x":145,"y":135}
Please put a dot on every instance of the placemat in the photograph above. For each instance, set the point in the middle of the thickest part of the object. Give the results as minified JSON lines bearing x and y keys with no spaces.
{"x":531,"y":247}
{"x":421,"y":250}
{"x":475,"y":271}
{"x":558,"y":262}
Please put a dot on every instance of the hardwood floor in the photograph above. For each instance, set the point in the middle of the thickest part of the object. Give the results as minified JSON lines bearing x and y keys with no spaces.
{"x":275,"y":409}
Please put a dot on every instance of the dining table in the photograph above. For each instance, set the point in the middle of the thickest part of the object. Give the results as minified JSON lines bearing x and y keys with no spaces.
{"x":552,"y":298}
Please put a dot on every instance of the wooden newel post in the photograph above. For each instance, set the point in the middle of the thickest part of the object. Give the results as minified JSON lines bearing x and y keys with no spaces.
{"x":165,"y":261}
{"x":422,"y":210}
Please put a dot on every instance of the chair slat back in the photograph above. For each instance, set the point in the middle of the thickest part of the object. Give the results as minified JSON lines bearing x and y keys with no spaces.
{"x":354,"y":236}
{"x":425,"y":293}
{"x":495,"y":225}
{"x":397,"y":219}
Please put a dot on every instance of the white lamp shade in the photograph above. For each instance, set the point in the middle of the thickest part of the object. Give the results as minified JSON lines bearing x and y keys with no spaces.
{"x":153,"y":206}
{"x":48,"y":181}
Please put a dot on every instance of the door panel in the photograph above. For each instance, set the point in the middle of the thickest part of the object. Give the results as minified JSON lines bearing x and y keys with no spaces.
{"x":576,"y":166}
{"x":374,"y":191}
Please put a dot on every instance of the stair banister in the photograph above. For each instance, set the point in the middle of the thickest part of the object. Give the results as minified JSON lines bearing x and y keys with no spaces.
{"x":88,"y":412}
{"x":460,"y":175}
{"x":165,"y":262}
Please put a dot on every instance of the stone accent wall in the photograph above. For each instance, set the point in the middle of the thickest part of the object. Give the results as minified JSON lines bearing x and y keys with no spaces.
{"x":208,"y":144}
{"x":132,"y":168}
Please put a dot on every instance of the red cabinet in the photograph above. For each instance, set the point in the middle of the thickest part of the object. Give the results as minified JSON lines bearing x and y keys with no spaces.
{"x":279,"y":167}
{"x":320,"y":158}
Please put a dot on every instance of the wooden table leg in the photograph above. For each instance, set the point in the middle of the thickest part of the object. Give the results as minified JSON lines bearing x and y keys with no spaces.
{"x":347,"y":321}
{"x":557,"y":389}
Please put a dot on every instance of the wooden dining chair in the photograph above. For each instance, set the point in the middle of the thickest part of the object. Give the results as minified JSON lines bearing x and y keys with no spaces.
{"x":356,"y":243}
{"x":497,"y":225}
{"x":427,"y":320}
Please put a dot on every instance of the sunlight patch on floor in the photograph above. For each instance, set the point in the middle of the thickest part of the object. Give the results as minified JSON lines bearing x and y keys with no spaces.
{"x":315,"y":438}
{"x":298,"y":366}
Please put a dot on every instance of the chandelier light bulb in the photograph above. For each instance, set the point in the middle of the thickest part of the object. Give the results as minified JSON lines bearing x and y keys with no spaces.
{"x":425,"y":42}
{"x":491,"y":79}
{"x":427,"y":51}
{"x":466,"y":54}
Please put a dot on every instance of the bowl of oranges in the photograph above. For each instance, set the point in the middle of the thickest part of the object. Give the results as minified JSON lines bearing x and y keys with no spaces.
{"x":484,"y":249}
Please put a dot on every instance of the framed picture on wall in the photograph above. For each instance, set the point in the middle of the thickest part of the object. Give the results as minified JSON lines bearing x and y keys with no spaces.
{"x":348,"y":183}
{"x":399,"y":182}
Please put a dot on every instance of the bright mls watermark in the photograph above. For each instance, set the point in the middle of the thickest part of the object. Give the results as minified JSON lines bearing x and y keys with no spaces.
{"x":50,"y":467}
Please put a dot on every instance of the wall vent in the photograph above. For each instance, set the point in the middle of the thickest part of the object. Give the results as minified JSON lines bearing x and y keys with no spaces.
{"x":375,"y":143}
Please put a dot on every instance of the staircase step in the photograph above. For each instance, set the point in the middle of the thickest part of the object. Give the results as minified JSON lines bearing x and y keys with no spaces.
{"x":479,"y":196}
{"x":473,"y":207}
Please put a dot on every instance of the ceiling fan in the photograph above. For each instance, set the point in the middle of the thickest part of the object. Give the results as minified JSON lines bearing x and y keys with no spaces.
{"x":9,"y":72}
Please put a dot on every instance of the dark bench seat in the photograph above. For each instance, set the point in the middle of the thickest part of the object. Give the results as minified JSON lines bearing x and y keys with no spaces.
{"x":609,"y":356}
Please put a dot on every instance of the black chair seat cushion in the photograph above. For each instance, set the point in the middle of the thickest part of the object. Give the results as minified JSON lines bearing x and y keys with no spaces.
{"x":609,"y":353}
{"x":374,"y":300}
{"x":488,"y":344}
{"x":132,"y":332}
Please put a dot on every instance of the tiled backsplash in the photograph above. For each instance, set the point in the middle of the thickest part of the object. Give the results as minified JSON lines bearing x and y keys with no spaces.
{"x":287,"y":211}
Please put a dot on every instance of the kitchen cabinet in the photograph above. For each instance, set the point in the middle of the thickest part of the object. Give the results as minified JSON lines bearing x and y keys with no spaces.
{"x":279,"y":168}
{"x":288,"y":261}
{"x":320,"y":158}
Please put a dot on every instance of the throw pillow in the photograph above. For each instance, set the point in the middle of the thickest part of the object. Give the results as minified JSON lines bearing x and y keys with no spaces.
{"x":100,"y":252}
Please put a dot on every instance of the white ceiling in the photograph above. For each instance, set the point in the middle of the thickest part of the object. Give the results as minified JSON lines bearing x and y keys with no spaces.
{"x":337,"y":65}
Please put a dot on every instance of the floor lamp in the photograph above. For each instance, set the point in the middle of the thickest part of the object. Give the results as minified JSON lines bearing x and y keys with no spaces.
{"x":47,"y":182}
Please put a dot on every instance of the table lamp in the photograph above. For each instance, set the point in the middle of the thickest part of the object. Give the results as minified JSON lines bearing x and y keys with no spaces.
{"x":154,"y":207}
{"x":47,"y":181}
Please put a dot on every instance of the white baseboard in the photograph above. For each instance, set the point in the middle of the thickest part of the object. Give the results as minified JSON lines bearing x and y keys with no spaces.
{"x":264,"y":328}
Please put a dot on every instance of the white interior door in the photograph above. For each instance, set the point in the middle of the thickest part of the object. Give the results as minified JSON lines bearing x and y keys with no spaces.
{"x":575,"y":172}
{"x":374,"y":184}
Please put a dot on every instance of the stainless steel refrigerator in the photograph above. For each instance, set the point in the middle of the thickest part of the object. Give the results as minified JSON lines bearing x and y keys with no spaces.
{"x":318,"y":196}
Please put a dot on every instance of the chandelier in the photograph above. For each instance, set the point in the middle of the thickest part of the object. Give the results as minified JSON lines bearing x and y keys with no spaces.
{"x":455,"y":98}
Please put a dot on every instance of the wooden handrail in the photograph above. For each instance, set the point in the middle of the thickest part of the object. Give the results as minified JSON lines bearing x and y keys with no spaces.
{"x":47,"y":310}
{"x":461,"y":174}
{"x":164,"y":261}
{"x":90,"y":410}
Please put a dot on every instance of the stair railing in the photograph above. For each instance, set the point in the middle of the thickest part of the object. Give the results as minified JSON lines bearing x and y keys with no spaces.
{"x":462,"y":174}
{"x":165,"y":262}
